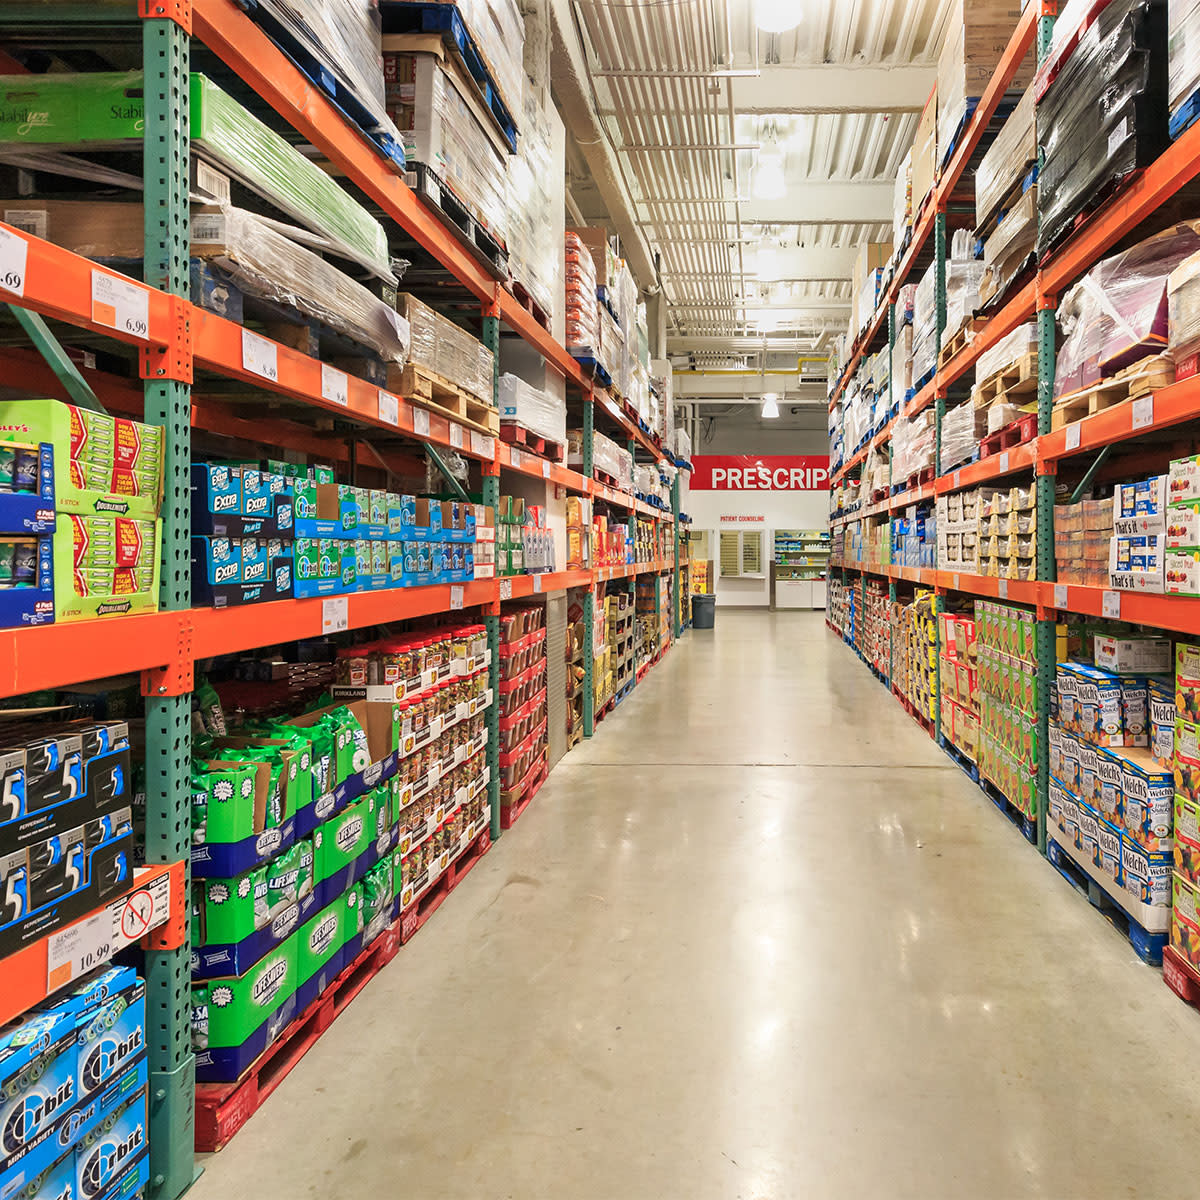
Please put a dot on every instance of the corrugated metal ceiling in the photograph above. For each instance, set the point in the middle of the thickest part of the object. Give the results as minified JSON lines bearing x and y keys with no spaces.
{"x":665,"y":77}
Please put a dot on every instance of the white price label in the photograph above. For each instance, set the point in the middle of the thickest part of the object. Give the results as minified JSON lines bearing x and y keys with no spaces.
{"x":1143,"y":412}
{"x":1004,"y":463}
{"x":389,"y":410}
{"x":957,"y":478}
{"x":259,"y":355}
{"x":456,"y":598}
{"x":537,"y":583}
{"x":1073,"y":433}
{"x":14,"y":254}
{"x":506,"y":589}
{"x":1112,"y":606}
{"x":956,"y":587}
{"x":120,"y":304}
{"x":1060,"y":597}
{"x":420,"y":422}
{"x":482,"y":445}
{"x":73,"y":951}
{"x":335,"y":385}
{"x":545,"y":469}
{"x":1002,"y":589}
{"x":335,"y":615}
{"x":456,"y":436}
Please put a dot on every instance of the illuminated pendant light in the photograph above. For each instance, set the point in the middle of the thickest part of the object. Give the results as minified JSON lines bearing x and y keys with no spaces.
{"x":776,"y":16}
{"x":770,"y":406}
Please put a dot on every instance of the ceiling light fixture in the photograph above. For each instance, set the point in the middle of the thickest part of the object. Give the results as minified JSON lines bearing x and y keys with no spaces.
{"x":769,"y":182}
{"x":770,"y":406}
{"x":776,"y":16}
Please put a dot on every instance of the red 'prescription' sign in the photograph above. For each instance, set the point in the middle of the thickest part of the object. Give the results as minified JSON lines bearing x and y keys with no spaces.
{"x":760,"y":473}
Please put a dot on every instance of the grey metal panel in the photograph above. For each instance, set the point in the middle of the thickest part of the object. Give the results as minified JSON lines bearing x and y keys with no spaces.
{"x":556,"y":675}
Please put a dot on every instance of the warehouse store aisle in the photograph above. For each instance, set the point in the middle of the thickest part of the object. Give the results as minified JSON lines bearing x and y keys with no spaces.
{"x":759,"y":938}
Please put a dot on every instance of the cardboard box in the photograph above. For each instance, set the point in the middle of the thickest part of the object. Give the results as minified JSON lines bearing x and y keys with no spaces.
{"x":1185,"y":919}
{"x":1149,"y":655}
{"x":924,"y":153}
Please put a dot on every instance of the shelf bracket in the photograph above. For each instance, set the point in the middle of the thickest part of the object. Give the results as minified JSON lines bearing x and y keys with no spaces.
{"x":455,"y":486}
{"x":1085,"y":482}
{"x":179,"y":11}
{"x":49,"y":347}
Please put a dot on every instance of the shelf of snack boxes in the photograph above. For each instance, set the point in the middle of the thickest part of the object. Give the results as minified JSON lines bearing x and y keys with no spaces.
{"x":1010,"y":61}
{"x":152,"y":910}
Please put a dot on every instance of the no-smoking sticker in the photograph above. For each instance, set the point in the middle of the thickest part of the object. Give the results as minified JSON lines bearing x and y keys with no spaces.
{"x":137,"y":915}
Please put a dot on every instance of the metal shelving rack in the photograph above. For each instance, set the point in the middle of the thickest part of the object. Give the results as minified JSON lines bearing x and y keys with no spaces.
{"x":1136,"y":202}
{"x":181,"y":338}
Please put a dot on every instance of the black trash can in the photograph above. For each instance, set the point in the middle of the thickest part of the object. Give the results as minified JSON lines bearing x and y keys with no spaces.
{"x":704,"y":612}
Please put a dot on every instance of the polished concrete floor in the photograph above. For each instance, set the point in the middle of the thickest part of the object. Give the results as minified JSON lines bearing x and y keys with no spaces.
{"x":756,"y":940}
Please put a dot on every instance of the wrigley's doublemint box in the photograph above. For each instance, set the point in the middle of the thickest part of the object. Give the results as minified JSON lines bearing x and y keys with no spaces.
{"x":320,"y":947}
{"x":236,"y":921}
{"x":236,"y":1018}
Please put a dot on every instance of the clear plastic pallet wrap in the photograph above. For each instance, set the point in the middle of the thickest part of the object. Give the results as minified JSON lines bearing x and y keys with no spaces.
{"x":344,"y":35}
{"x":924,"y":356}
{"x":1007,"y":160}
{"x":1183,"y":308}
{"x":962,"y":427}
{"x":499,"y":32}
{"x":532,"y":409}
{"x":913,"y":443}
{"x":925,"y":302}
{"x":442,"y":127}
{"x":1117,"y":314}
{"x":1105,"y":113}
{"x":533,"y":258}
{"x":1008,"y":350}
{"x":263,"y":262}
{"x":963,"y":273}
{"x":680,"y":444}
{"x":440,"y":346}
{"x":1183,"y":49}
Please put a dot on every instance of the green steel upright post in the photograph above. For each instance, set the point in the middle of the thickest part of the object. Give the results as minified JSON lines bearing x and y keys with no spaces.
{"x":491,"y":495}
{"x":166,"y":56}
{"x":1045,"y":636}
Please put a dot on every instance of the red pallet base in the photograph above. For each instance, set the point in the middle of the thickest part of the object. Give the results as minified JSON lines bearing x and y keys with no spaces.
{"x":417,"y":913}
{"x":509,"y":813}
{"x":531,"y":443}
{"x":523,"y":297}
{"x":223,"y":1108}
{"x":1180,"y":976}
{"x":1017,"y":433}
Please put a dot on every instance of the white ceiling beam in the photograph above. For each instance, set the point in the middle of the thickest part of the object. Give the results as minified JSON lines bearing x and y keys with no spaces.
{"x":833,"y":88}
{"x":701,"y":386}
{"x":816,"y":202}
{"x":792,"y":264}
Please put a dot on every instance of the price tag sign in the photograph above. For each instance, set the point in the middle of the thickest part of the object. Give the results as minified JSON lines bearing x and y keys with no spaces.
{"x":545,"y":469}
{"x":335,"y":385}
{"x":456,"y":598}
{"x":1143,"y":412}
{"x":335,"y":614}
{"x":1002,"y":590}
{"x":1004,"y":462}
{"x":1073,"y":433}
{"x":506,"y":589}
{"x":482,"y":445}
{"x":956,"y":587}
{"x":74,"y":951}
{"x":120,"y":304}
{"x":537,"y":583}
{"x":1112,"y":606}
{"x":14,"y":254}
{"x":420,"y":422}
{"x":456,"y":436}
{"x":1060,"y":597}
{"x":259,"y":355}
{"x":957,"y":478}
{"x":389,"y":410}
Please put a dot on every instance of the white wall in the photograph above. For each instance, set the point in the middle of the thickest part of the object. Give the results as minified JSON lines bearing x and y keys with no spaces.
{"x":779,"y":510}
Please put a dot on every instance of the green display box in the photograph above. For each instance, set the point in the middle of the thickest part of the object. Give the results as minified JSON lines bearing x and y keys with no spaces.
{"x":236,"y":1018}
{"x":340,"y":840}
{"x":108,"y":108}
{"x":128,"y":451}
{"x":319,"y":947}
{"x":235,"y":826}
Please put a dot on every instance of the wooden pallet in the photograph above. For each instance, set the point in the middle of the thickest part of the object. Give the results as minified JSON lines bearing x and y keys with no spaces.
{"x":1017,"y":379}
{"x":1143,"y":377}
{"x":959,"y":341}
{"x":223,"y":1108}
{"x":430,"y":390}
{"x":524,"y":297}
{"x":532,"y":443}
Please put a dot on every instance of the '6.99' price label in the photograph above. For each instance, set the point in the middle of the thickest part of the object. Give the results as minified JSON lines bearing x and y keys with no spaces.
{"x":120,"y":304}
